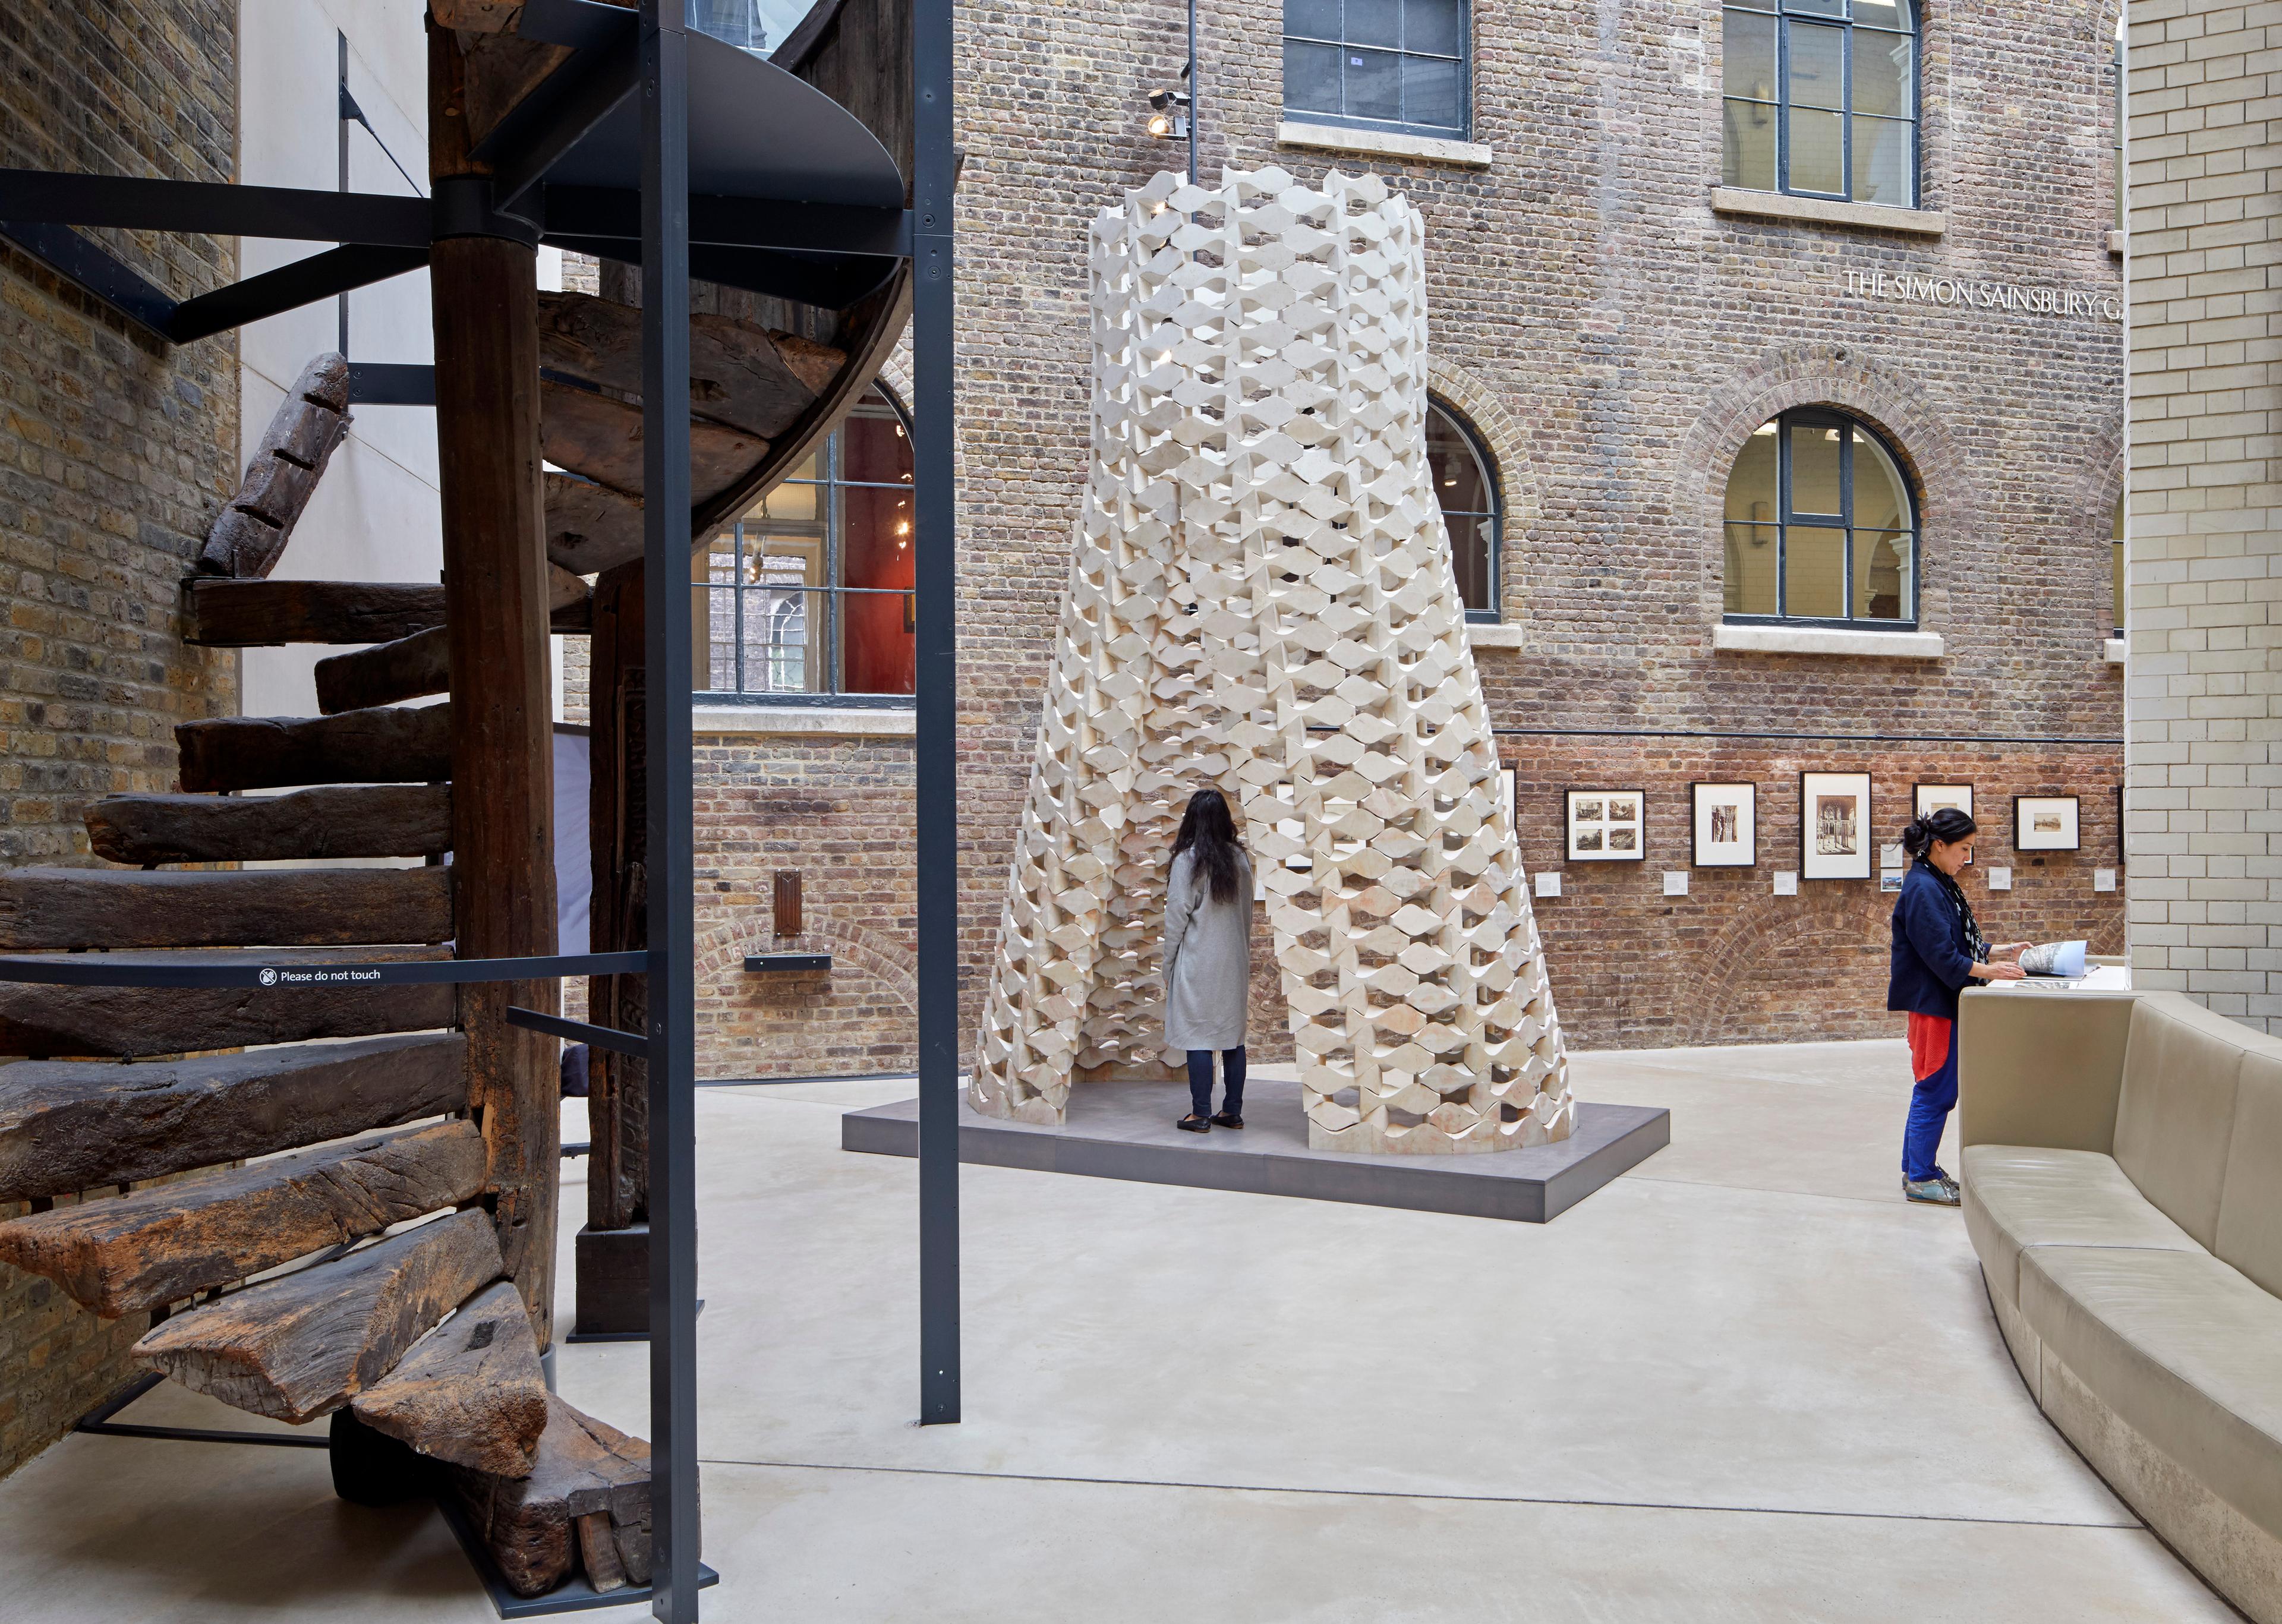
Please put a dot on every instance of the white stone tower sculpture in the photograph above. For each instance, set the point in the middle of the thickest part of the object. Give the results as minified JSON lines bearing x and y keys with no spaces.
{"x":1262,"y":599}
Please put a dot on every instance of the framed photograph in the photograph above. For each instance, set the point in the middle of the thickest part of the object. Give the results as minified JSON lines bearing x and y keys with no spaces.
{"x":1726,"y":826}
{"x":1932,"y":797}
{"x":1835,"y":835}
{"x":2044,"y":823}
{"x":1608,"y":826}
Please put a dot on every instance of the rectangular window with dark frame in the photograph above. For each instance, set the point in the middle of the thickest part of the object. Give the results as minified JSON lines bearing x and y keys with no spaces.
{"x":810,"y":591}
{"x":1401,"y":66}
{"x":1819,"y":98}
{"x":1820,"y":526}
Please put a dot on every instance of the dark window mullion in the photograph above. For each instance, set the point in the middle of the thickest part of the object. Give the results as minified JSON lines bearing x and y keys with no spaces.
{"x":1846,"y":515}
{"x":737,"y":602}
{"x":1783,"y":517}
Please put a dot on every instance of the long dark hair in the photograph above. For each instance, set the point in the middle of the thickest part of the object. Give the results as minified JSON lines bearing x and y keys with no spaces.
{"x":1949,"y":826}
{"x":1207,"y":827}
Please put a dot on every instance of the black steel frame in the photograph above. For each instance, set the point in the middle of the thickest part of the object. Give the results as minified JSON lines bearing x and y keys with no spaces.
{"x":377,"y":236}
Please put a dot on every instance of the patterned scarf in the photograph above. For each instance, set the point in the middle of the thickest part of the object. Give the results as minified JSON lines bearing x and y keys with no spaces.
{"x":1976,"y":943}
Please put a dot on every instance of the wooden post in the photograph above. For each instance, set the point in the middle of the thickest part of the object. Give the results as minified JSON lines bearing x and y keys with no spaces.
{"x":618,"y":1106}
{"x":484,"y":289}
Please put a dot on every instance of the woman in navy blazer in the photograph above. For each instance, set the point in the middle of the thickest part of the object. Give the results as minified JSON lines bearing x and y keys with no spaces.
{"x":1938,"y":952}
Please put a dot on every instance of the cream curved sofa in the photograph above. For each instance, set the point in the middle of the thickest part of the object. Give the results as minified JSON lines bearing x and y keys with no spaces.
{"x":2123,"y":1175}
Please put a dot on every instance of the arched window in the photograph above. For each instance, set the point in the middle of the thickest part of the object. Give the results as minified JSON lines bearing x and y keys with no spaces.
{"x":1821,"y":524}
{"x":810,"y":591}
{"x":1821,"y":99}
{"x":1468,"y":491}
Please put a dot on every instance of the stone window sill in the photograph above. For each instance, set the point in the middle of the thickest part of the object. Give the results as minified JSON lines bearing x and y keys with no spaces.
{"x":1382,"y":144}
{"x":2113,"y":648}
{"x":1491,"y":634}
{"x":806,"y":721}
{"x":1828,"y":639}
{"x":1824,"y":211}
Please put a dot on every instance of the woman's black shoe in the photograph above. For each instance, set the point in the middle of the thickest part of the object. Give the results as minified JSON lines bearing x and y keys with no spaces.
{"x":1193,"y":1123}
{"x":1227,"y":1119}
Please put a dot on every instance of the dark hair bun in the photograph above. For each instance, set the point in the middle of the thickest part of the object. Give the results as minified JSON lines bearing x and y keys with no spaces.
{"x":1948,"y":826}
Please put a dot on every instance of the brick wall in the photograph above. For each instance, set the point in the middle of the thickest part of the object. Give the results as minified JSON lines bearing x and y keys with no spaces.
{"x":115,"y":453}
{"x":1614,"y":341}
{"x":2206,"y":524}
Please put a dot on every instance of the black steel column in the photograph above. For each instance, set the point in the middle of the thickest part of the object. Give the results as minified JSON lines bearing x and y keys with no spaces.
{"x":933,"y":359}
{"x":666,"y":655}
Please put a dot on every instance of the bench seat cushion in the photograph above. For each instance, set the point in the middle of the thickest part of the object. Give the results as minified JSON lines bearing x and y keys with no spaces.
{"x":2184,"y":1348}
{"x":2024,"y":1195}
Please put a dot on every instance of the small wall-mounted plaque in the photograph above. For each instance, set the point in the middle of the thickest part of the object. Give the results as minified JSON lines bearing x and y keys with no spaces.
{"x":1786,"y":883}
{"x":1675,"y":883}
{"x":787,"y":902}
{"x":2103,"y":879}
{"x":1549,"y":882}
{"x":786,"y":964}
{"x":2000,"y":879}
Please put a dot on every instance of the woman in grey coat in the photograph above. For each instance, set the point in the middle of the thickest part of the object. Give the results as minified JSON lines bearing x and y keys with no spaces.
{"x":1208,"y":957}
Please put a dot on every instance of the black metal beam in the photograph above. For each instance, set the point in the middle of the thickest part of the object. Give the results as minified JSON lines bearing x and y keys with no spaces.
{"x":672,"y":968}
{"x":934,"y":494}
{"x":559,"y":114}
{"x":213,"y":208}
{"x":391,"y":383}
{"x":289,"y":287}
{"x":579,"y":1031}
{"x":735,"y":223}
{"x":96,"y":271}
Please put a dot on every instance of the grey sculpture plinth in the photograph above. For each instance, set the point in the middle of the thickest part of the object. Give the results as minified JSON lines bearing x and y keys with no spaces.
{"x":1125,"y":1130}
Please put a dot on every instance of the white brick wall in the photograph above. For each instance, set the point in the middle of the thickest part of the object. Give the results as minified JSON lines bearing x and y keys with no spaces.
{"x":2203,"y":696}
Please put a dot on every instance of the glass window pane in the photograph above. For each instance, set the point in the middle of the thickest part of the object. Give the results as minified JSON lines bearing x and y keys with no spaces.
{"x":1470,"y":560}
{"x":1881,"y":498}
{"x":2115,"y":555}
{"x":1748,"y":45}
{"x":1318,"y":20}
{"x":1818,"y":8}
{"x":1437,"y":26}
{"x":784,"y":641}
{"x":1459,"y":484}
{"x":1750,"y":570}
{"x":1881,"y":74}
{"x":1750,"y":6}
{"x":1817,"y":155}
{"x":1751,"y":483}
{"x":1375,"y":22}
{"x":1882,"y":574}
{"x":1747,"y":144}
{"x":1311,"y":77}
{"x":1374,"y":84}
{"x":1817,"y":66}
{"x":1884,"y":13}
{"x":1815,"y":572}
{"x":1885,"y":161}
{"x":1434,"y":92}
{"x":1814,"y":454}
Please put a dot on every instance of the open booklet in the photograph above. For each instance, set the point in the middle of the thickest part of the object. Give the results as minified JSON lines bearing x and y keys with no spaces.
{"x":2053,"y":959}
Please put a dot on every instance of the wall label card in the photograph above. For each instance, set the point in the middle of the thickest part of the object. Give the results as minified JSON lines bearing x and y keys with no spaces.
{"x":1786,"y":883}
{"x":2103,"y":879}
{"x":2000,"y":879}
{"x":1675,"y":883}
{"x":1549,"y":882}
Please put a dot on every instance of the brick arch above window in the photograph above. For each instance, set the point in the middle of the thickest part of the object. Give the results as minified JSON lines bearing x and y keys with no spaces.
{"x":1505,"y":438}
{"x":1841,"y":378}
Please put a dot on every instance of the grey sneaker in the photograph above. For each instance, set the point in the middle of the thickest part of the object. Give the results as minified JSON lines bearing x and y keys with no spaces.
{"x":1939,"y":1191}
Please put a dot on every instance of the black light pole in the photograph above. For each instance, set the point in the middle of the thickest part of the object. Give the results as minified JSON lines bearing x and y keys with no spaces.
{"x":672,"y":972}
{"x":1196,"y":96}
{"x":934,"y":494}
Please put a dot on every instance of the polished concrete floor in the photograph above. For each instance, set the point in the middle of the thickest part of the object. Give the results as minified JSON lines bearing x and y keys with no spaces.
{"x":1746,"y":1381}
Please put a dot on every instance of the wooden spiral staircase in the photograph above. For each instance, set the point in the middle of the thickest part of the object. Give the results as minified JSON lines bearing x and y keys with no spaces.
{"x":337,"y":1201}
